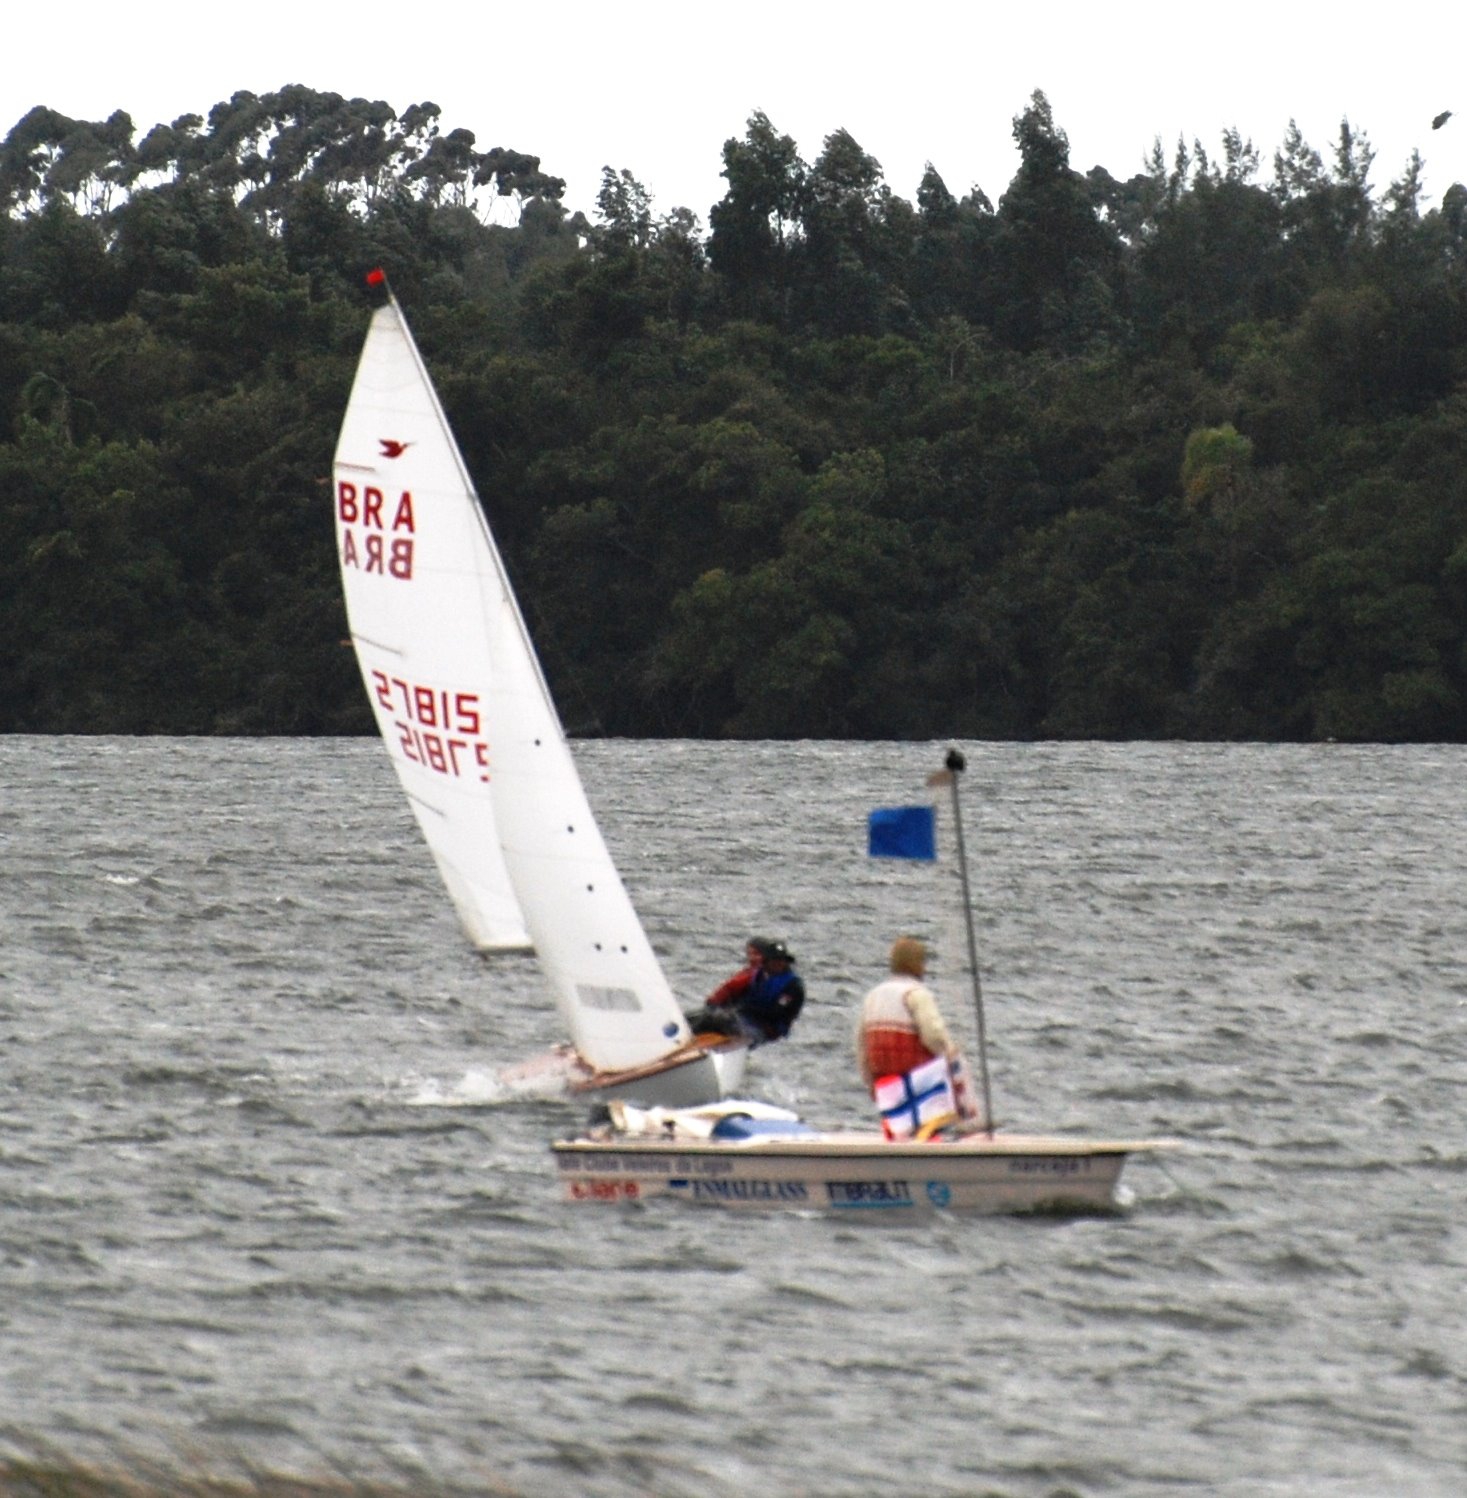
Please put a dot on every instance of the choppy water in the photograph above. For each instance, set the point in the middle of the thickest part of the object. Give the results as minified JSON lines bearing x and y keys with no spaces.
{"x":262,"y":1202}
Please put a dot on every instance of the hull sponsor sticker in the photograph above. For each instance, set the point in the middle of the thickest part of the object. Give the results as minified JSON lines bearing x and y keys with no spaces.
{"x":699,"y":1190}
{"x":1051,"y":1165}
{"x":870,"y":1194}
{"x":604,"y":1191}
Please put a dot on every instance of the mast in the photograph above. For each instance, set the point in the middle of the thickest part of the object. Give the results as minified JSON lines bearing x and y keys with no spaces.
{"x":955,"y":764}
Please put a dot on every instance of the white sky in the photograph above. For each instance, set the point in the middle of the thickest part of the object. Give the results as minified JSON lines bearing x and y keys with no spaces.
{"x":657,"y":87}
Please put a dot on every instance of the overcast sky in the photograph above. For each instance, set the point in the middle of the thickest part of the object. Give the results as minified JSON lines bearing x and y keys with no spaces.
{"x":657,"y":87}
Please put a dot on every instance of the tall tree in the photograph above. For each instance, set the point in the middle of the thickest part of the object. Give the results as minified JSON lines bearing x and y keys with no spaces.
{"x":753,"y":225}
{"x":1056,"y":262}
{"x":847,"y":245}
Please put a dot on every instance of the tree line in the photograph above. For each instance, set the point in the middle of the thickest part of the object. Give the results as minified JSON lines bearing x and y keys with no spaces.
{"x":1178,"y":454}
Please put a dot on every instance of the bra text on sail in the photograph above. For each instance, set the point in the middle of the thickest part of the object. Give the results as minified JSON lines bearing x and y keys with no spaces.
{"x":368,"y":540}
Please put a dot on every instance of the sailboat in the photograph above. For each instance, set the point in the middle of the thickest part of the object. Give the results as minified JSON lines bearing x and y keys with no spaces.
{"x":471,"y":729}
{"x":744,"y":1154}
{"x":736,"y":1153}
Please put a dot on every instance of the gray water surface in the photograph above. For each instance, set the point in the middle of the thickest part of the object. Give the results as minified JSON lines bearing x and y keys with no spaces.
{"x":263,"y":1201}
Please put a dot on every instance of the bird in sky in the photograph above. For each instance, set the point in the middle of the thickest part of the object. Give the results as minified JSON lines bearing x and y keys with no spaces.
{"x":1441,"y":119}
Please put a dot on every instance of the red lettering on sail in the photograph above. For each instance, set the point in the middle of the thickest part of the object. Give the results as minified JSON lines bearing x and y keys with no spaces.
{"x":366,"y":508}
{"x":434,"y":727}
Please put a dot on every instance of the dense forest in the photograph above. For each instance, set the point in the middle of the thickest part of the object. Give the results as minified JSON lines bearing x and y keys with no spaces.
{"x":1179,"y":454}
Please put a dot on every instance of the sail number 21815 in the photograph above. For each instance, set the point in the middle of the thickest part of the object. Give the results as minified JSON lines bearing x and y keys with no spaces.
{"x":436,"y":728}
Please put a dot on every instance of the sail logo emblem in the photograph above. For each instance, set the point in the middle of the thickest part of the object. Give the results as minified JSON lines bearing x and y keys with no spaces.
{"x":392,"y":448}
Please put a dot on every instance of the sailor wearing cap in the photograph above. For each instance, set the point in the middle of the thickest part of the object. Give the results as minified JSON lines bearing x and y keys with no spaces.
{"x":775,"y":997}
{"x":761,"y":1002}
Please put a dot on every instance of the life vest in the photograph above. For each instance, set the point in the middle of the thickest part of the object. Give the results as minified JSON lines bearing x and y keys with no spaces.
{"x":772,"y":1002}
{"x":889,"y":1039}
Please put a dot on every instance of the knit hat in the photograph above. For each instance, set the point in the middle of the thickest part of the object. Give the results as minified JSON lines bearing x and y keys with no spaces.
{"x":909,"y":956}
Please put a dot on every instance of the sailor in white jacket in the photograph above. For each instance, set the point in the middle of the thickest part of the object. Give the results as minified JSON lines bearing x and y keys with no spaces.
{"x":900,"y":1025}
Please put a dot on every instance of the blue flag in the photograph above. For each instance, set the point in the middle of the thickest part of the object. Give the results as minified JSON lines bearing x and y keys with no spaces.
{"x":902,"y":832}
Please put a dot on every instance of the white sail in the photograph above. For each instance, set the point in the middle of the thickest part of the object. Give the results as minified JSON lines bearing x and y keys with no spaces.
{"x":406,"y":531}
{"x":466,"y":714}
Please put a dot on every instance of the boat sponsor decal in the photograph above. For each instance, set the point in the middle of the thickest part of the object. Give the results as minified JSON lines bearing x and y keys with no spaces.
{"x":646,"y":1164}
{"x":369,"y":541}
{"x":1051,"y":1165}
{"x":602,"y":996}
{"x":392,"y":448}
{"x":939,"y":1193}
{"x":436,"y":728}
{"x":741,"y":1191}
{"x":594,"y":1190}
{"x":869,"y":1194}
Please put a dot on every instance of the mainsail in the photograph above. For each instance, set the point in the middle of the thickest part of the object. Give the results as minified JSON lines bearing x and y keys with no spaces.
{"x":407,"y":528}
{"x":467,"y":718}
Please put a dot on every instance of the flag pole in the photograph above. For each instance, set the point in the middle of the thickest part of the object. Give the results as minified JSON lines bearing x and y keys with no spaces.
{"x":955,"y":764}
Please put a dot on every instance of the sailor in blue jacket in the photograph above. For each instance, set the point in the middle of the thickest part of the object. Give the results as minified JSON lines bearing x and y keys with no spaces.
{"x":768,"y":999}
{"x":772,"y":1002}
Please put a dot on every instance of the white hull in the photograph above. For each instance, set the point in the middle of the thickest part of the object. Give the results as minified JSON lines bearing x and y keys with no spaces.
{"x":684,"y":1083}
{"x":685,"y":1080}
{"x":846,"y":1172}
